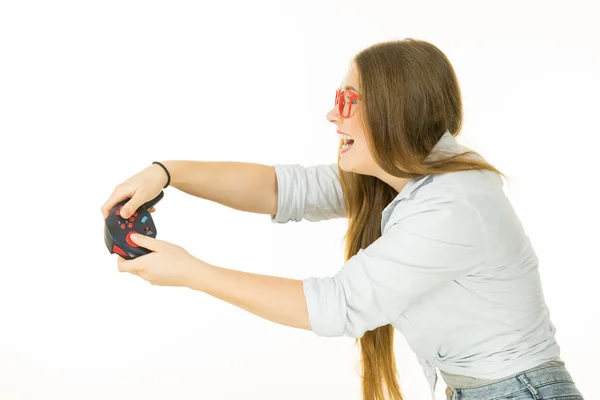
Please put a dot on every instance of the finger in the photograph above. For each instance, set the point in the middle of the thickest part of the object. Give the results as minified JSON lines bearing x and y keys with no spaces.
{"x":119,"y":194}
{"x":130,"y":266}
{"x":132,"y":205}
{"x":152,"y":210}
{"x":147,"y":242}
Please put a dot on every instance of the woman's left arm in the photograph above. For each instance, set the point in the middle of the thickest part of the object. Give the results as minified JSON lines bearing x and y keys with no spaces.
{"x":280,"y":300}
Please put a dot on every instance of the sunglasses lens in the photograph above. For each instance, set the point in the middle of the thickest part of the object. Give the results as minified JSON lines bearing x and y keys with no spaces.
{"x":347,"y":105}
{"x":344,"y":102}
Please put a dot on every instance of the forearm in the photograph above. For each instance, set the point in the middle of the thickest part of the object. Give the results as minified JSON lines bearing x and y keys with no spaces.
{"x":243,"y":186}
{"x":276,"y":299}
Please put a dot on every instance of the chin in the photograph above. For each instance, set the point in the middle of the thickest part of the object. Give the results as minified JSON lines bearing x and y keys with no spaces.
{"x":362,"y":167}
{"x":349,"y":166}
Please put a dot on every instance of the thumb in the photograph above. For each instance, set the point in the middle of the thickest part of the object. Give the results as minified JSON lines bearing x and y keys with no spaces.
{"x":129,"y":208}
{"x":147,"y":242}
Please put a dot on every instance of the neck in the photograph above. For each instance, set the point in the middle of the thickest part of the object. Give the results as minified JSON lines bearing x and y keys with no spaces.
{"x":395,"y":182}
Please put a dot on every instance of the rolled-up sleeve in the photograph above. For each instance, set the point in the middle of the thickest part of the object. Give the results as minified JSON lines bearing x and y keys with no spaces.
{"x":312,"y":193}
{"x":418,"y":253}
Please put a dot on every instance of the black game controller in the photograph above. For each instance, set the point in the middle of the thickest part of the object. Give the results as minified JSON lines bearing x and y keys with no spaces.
{"x":117,"y":231}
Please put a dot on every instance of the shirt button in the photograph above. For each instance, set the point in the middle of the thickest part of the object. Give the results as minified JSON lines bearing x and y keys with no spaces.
{"x":449,"y":392}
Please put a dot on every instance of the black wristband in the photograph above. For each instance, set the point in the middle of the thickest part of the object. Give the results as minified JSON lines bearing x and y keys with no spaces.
{"x":167,"y":171}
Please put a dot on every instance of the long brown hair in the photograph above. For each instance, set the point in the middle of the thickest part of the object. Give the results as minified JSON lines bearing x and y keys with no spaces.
{"x":411,"y":96}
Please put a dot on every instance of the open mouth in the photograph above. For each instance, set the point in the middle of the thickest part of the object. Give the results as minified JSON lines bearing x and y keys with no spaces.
{"x":347,"y":141}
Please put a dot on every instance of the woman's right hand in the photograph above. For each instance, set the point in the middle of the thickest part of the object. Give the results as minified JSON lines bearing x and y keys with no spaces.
{"x":140,"y":188}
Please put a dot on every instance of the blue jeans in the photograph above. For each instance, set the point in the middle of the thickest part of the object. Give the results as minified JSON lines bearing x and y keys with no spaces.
{"x":540,"y":383}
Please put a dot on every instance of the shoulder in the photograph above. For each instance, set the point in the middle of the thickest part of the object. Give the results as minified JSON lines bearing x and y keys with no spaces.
{"x":454,"y":201}
{"x":436,"y":229}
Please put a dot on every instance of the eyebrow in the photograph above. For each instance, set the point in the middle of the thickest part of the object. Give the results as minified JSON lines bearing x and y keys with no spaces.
{"x":351,"y":88}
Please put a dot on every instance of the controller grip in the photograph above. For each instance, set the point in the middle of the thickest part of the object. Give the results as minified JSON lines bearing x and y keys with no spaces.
{"x":148,"y":205}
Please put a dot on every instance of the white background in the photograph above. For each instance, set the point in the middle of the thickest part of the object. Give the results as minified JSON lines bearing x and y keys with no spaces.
{"x":93,"y":92}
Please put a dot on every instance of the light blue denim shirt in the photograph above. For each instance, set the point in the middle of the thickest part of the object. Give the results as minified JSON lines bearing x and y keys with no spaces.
{"x":453,"y":271}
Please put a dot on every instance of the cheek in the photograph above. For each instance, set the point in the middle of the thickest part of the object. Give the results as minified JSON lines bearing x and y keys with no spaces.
{"x":363,"y":147}
{"x":356,"y":128}
{"x":359,"y":139}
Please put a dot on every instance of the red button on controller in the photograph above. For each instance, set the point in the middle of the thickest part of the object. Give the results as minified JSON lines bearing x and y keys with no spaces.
{"x":129,"y":241}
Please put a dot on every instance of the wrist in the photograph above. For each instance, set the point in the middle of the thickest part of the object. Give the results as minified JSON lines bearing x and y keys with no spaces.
{"x":196,"y":277}
{"x":171,"y":166}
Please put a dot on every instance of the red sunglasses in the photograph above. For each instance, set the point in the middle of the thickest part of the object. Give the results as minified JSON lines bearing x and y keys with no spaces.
{"x":343,"y":100}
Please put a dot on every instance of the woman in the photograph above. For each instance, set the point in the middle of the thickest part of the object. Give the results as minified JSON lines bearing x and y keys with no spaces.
{"x":433,"y":247}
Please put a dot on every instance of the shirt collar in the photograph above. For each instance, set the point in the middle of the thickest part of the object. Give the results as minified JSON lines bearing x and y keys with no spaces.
{"x":445,"y":146}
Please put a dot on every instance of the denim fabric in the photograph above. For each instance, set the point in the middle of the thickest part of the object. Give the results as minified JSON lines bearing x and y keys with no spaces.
{"x":546,"y":382}
{"x":465,"y":382}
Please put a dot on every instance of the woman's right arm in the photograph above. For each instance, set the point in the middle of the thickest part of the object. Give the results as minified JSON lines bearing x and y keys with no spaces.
{"x":242,"y":186}
{"x":287,"y":192}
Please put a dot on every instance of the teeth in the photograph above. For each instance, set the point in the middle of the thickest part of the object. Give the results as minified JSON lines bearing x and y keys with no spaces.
{"x":344,"y":137}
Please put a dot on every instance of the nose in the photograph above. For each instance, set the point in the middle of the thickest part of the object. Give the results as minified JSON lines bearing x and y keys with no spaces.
{"x":333,"y":116}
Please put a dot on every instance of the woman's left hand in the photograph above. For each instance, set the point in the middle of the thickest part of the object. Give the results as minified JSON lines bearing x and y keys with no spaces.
{"x":167,"y":265}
